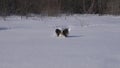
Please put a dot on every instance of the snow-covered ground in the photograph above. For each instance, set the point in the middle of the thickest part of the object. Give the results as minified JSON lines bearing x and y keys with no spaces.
{"x":94,"y":42}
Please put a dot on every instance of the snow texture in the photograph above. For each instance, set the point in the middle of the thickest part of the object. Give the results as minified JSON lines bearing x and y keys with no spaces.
{"x":93,"y":42}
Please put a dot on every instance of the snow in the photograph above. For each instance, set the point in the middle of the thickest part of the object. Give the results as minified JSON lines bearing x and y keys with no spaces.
{"x":94,"y":42}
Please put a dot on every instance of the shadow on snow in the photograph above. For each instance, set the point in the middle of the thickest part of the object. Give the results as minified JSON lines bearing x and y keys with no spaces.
{"x":3,"y":28}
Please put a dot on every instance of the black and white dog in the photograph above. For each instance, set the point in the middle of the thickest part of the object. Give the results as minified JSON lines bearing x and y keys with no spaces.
{"x":62,"y":32}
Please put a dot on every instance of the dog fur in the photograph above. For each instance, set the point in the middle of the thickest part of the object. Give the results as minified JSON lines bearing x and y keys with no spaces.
{"x":64,"y":32}
{"x":58,"y":32}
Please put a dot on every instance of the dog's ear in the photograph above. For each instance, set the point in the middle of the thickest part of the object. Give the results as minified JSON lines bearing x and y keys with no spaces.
{"x":58,"y":32}
{"x":65,"y":32}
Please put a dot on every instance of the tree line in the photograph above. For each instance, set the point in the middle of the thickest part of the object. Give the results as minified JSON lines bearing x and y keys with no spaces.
{"x":54,"y":7}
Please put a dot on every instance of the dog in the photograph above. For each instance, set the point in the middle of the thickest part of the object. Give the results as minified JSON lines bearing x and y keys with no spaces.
{"x":64,"y":32}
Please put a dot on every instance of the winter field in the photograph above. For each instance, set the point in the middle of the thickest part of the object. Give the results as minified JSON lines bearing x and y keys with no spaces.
{"x":93,"y":42}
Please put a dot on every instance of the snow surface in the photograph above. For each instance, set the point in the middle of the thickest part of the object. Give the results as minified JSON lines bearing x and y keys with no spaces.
{"x":94,"y":42}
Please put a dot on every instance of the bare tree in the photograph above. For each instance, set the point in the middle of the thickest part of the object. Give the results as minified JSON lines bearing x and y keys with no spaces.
{"x":4,"y":8}
{"x":113,"y":7}
{"x":91,"y":8}
{"x":84,"y":6}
